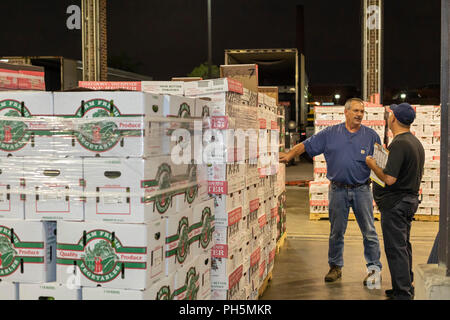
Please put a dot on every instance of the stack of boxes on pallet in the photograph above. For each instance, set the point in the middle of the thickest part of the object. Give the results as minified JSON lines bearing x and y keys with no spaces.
{"x":27,"y":244}
{"x":94,"y":205}
{"x":103,"y":196}
{"x":325,"y":116}
{"x":427,"y":128}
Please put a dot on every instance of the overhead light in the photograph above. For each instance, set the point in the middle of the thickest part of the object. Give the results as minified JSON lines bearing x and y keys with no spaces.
{"x":317,"y":103}
{"x":337,"y":96}
{"x":292,"y":89}
{"x":403,"y":96}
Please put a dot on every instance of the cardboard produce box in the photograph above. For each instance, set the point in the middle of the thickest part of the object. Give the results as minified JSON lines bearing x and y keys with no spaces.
{"x":245,"y":73}
{"x":203,"y":265}
{"x":163,"y":87}
{"x":21,"y":77}
{"x":203,"y":227}
{"x":121,"y":256}
{"x":270,"y":91}
{"x":9,"y":291}
{"x":28,"y":133}
{"x":228,"y":208}
{"x":133,"y":190}
{"x":161,"y":290}
{"x":187,"y":282}
{"x":11,"y":177}
{"x":110,"y":123}
{"x":226,"y":266}
{"x":28,"y":251}
{"x":231,"y":176}
{"x":178,"y":251}
{"x":48,"y":291}
{"x":53,"y":188}
{"x":221,"y":147}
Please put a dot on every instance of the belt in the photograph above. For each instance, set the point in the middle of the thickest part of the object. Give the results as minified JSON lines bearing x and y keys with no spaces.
{"x":350,"y":186}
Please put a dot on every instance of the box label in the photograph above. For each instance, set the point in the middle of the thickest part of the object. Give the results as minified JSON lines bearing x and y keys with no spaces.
{"x":101,"y":256}
{"x":13,"y":252}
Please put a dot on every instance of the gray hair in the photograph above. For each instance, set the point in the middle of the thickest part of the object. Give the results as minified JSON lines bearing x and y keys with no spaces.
{"x":348,"y":103}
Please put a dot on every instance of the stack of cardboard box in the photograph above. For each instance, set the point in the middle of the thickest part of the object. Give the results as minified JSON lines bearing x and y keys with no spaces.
{"x":230,"y":112}
{"x":132,"y":222}
{"x":427,"y":128}
{"x":27,"y":242}
{"x":374,"y":117}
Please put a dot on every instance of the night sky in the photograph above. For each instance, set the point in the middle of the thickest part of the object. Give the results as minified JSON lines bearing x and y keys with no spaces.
{"x":165,"y":38}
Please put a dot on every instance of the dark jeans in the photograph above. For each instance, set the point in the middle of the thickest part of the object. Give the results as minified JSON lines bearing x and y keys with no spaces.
{"x":396,"y":226}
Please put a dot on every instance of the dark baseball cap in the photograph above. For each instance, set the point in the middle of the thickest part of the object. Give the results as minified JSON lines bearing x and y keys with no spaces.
{"x":404,"y":113}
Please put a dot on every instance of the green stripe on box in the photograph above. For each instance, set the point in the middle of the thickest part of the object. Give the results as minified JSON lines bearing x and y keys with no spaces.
{"x":172,"y":238}
{"x":65,"y":261}
{"x":131,"y":250}
{"x":196,"y":226}
{"x":135,"y":265}
{"x":149,"y":183}
{"x":72,"y":247}
{"x":37,"y":245}
{"x":31,"y":259}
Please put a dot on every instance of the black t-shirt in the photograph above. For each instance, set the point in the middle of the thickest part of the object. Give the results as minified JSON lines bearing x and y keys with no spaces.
{"x":405,"y":162}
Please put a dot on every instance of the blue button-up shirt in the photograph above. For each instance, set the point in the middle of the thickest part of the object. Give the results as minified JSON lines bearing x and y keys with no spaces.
{"x":345,"y":152}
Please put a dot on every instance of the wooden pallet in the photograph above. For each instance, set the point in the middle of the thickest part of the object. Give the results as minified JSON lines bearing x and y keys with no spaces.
{"x":265,"y":284}
{"x":351,"y":216}
{"x":428,"y":218}
{"x":299,"y":183}
{"x":280,"y":242}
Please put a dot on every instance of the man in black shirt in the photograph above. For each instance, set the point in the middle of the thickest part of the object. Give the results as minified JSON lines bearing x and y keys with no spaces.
{"x":399,"y":199}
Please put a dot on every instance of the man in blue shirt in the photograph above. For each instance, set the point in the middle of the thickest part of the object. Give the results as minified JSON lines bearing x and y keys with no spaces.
{"x":345,"y":147}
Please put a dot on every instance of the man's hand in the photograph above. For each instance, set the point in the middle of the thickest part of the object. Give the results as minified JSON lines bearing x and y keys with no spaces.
{"x":371,"y":162}
{"x":286,"y":157}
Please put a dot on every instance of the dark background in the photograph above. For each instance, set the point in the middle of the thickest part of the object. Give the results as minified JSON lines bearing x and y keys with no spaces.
{"x":166,"y":38}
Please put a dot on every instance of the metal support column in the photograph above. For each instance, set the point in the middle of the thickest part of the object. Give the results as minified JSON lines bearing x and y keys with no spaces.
{"x":444,"y":215}
{"x":372,"y":36}
{"x":94,"y":41}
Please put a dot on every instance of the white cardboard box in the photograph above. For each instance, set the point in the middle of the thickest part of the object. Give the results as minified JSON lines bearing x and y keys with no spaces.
{"x":163,"y":87}
{"x":228,"y":206}
{"x":178,"y":106}
{"x":11,"y":176}
{"x":203,"y":227}
{"x":30,"y":137}
{"x":131,"y":190}
{"x":204,"y":270}
{"x":161,"y":290}
{"x":48,"y":291}
{"x":178,"y":251}
{"x":93,"y":125}
{"x":54,"y":188}
{"x":32,"y":255}
{"x":9,"y":291}
{"x":226,"y":267}
{"x":231,"y":176}
{"x":187,"y":282}
{"x":122,"y":256}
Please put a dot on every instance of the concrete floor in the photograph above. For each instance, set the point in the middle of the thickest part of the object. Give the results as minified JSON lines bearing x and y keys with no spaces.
{"x":302,"y":262}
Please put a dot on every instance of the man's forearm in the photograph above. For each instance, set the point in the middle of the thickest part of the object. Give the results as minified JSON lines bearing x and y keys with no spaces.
{"x":298,"y":149}
{"x":379,"y":172}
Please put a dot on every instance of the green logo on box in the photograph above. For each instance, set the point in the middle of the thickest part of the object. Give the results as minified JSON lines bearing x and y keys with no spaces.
{"x":101,"y":135}
{"x":13,"y":134}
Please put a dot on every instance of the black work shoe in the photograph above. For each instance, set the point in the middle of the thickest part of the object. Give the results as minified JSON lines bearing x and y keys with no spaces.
{"x":334,"y":274}
{"x":389,"y":293}
{"x":372,"y":277}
